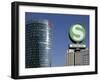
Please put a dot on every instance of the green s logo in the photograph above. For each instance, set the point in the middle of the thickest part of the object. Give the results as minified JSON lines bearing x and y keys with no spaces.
{"x":77,"y":32}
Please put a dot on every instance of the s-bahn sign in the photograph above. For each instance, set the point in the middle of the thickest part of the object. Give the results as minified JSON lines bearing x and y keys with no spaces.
{"x":81,"y":46}
{"x":77,"y":33}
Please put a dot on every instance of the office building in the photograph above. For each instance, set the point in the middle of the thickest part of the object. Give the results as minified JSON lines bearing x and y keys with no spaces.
{"x":77,"y":57}
{"x":84,"y":56}
{"x":69,"y":57}
{"x":37,"y":43}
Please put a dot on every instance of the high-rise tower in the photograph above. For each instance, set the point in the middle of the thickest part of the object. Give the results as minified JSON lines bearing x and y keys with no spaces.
{"x":37,"y":43}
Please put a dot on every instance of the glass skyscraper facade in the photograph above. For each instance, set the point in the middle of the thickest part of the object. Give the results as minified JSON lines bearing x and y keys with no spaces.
{"x":37,"y":43}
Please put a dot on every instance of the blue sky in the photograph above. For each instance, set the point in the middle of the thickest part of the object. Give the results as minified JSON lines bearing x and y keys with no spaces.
{"x":61,"y":24}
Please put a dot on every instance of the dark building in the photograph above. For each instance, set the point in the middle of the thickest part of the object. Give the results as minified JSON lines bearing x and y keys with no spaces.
{"x":37,"y":43}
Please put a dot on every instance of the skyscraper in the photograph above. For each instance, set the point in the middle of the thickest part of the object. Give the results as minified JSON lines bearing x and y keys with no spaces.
{"x":84,"y":57}
{"x":37,"y":43}
{"x":74,"y":58}
{"x":77,"y":58}
{"x":69,"y":58}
